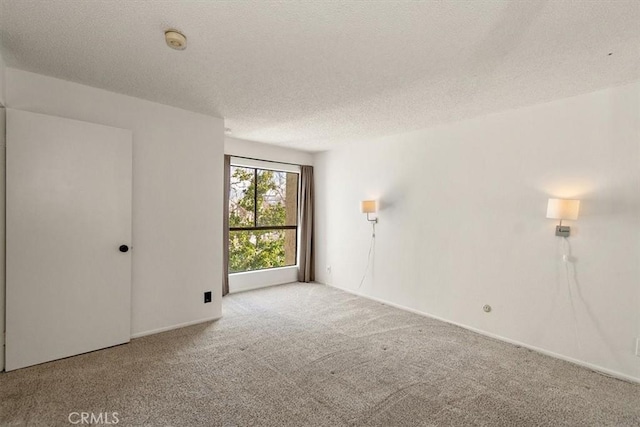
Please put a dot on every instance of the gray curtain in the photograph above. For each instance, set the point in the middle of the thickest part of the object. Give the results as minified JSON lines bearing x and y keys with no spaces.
{"x":306,"y":271}
{"x":225,"y":226}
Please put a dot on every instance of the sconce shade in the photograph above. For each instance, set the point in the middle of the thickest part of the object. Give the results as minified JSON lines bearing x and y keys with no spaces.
{"x":563,"y":209}
{"x":368,"y":206}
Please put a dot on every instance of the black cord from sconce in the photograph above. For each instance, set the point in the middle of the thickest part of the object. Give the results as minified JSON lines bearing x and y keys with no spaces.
{"x":372,"y":245}
{"x":567,"y":259}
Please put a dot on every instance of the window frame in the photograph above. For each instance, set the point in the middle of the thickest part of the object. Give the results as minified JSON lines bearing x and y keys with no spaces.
{"x":272,"y":166}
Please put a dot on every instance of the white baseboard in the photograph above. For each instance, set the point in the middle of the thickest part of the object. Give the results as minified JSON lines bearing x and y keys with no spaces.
{"x":172,"y":327}
{"x":596,"y":368}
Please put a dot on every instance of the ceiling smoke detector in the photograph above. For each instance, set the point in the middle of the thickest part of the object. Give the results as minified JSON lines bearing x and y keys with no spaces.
{"x":175,"y":39}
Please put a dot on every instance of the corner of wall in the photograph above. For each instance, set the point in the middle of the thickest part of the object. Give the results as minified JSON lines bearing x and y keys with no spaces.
{"x":2,"y":231}
{"x":2,"y":144}
{"x":2,"y":81}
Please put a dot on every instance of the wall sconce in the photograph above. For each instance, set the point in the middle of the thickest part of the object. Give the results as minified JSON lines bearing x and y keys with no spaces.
{"x":563,"y":209}
{"x":369,"y":207}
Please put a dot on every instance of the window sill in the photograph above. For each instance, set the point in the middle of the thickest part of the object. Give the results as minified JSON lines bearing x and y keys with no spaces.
{"x":289,"y":267}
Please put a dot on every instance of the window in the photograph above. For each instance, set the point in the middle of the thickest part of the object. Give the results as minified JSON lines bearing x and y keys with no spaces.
{"x":263,"y":218}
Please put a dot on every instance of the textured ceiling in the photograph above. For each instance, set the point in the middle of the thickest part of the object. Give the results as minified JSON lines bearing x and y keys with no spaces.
{"x":310,"y":74}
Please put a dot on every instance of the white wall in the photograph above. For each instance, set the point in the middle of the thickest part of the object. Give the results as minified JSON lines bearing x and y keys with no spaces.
{"x":177,"y":194}
{"x":248,"y":280}
{"x":239,"y":282}
{"x":462,"y":224}
{"x":258,"y":150}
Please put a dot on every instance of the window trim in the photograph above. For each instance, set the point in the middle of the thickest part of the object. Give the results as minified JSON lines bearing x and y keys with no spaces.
{"x":246,"y":162}
{"x":264,"y":228}
{"x":256,"y":164}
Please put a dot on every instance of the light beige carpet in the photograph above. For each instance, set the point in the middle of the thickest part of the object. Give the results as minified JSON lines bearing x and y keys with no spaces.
{"x":310,"y":355}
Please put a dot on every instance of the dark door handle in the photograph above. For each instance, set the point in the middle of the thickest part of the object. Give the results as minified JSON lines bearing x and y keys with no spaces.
{"x":124,"y":248}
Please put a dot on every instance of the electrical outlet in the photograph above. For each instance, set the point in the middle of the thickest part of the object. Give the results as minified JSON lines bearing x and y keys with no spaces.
{"x":328,"y":269}
{"x":638,"y":347}
{"x":207,"y":297}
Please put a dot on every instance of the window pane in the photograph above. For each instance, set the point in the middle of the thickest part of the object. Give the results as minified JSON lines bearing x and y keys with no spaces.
{"x":257,"y":250}
{"x":241,"y":201}
{"x":277,"y":198}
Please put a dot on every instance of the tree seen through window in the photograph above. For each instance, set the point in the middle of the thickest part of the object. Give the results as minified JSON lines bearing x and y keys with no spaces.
{"x":263,"y":208}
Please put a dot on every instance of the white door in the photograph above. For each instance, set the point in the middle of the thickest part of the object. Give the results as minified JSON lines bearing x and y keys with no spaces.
{"x":68,"y":285}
